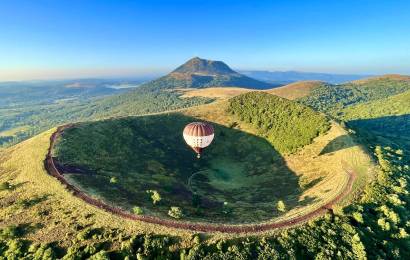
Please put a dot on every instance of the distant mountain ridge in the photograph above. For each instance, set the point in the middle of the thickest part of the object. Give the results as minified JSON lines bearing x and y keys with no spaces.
{"x":201,"y":73}
{"x":286,"y":77}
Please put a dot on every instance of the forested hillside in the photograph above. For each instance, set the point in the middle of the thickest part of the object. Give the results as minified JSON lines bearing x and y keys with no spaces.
{"x":20,"y":123}
{"x":393,"y":105}
{"x":332,"y":98}
{"x":286,"y":124}
{"x":377,"y":107}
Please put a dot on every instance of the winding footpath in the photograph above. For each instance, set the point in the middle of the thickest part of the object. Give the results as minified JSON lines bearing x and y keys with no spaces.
{"x":200,"y":227}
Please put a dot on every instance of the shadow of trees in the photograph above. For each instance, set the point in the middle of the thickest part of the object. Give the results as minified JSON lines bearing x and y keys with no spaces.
{"x":388,"y":129}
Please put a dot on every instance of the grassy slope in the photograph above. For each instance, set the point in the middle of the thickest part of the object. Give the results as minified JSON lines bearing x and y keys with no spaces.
{"x":218,"y":92}
{"x":296,"y":90}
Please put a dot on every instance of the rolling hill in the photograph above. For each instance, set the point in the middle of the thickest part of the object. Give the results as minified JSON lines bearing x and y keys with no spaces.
{"x":332,"y":98}
{"x":393,"y":105}
{"x":296,"y":90}
{"x":287,"y":77}
{"x":291,"y":91}
{"x":320,"y":95}
{"x":375,"y":79}
{"x":385,"y":120}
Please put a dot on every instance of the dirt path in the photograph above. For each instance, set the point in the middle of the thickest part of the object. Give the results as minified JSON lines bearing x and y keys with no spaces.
{"x":201,"y":227}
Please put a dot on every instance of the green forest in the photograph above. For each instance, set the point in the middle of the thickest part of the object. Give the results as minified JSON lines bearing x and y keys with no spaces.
{"x":286,"y":124}
{"x":331,"y":99}
{"x":31,"y":120}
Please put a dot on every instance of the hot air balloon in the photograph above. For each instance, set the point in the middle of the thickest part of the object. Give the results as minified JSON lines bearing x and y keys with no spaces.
{"x":198,"y":135}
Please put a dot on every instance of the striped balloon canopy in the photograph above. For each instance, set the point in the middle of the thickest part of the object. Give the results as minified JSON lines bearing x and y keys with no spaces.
{"x":198,"y":135}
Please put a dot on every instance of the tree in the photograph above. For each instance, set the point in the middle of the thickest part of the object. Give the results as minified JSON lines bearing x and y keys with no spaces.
{"x":155,"y":196}
{"x":281,"y":206}
{"x":358,"y":217}
{"x":102,"y":255}
{"x":113,"y":180}
{"x":358,"y":247}
{"x":137,"y":210}
{"x":4,"y":186}
{"x":175,"y":212}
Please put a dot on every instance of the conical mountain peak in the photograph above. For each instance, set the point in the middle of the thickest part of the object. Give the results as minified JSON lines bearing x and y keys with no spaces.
{"x":202,"y":73}
{"x":197,"y":65}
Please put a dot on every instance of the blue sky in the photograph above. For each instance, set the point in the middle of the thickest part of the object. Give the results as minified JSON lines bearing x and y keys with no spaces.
{"x":58,"y":39}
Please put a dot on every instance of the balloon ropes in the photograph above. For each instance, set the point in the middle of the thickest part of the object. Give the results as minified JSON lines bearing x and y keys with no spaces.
{"x":198,"y":135}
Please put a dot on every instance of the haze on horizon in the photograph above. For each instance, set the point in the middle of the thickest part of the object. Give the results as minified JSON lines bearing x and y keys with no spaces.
{"x":71,"y":39}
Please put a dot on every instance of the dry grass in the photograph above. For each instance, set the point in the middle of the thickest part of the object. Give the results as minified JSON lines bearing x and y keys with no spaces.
{"x":291,"y":91}
{"x":326,"y":162}
{"x":397,"y":77}
{"x":295,"y":90}
{"x":217,"y":92}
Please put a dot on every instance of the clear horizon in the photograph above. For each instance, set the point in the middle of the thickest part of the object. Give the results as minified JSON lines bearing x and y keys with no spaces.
{"x":105,"y":39}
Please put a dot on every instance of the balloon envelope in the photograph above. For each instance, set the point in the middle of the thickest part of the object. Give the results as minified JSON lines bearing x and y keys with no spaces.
{"x":198,"y":135}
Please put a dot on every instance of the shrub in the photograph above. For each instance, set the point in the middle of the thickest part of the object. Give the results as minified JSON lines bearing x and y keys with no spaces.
{"x":137,"y":210}
{"x":358,"y":217}
{"x":15,"y":249}
{"x":43,"y":251}
{"x":197,"y":240}
{"x":5,"y":186}
{"x":281,"y":206}
{"x":85,"y":234}
{"x":102,"y":255}
{"x":9,"y":232}
{"x":175,"y":212}
{"x":113,"y":180}
{"x":155,"y":196}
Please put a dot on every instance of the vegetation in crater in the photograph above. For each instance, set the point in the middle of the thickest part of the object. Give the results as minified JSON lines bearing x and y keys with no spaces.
{"x":286,"y":124}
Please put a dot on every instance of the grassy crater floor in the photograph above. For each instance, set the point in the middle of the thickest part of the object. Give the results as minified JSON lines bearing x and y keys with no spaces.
{"x":240,"y":178}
